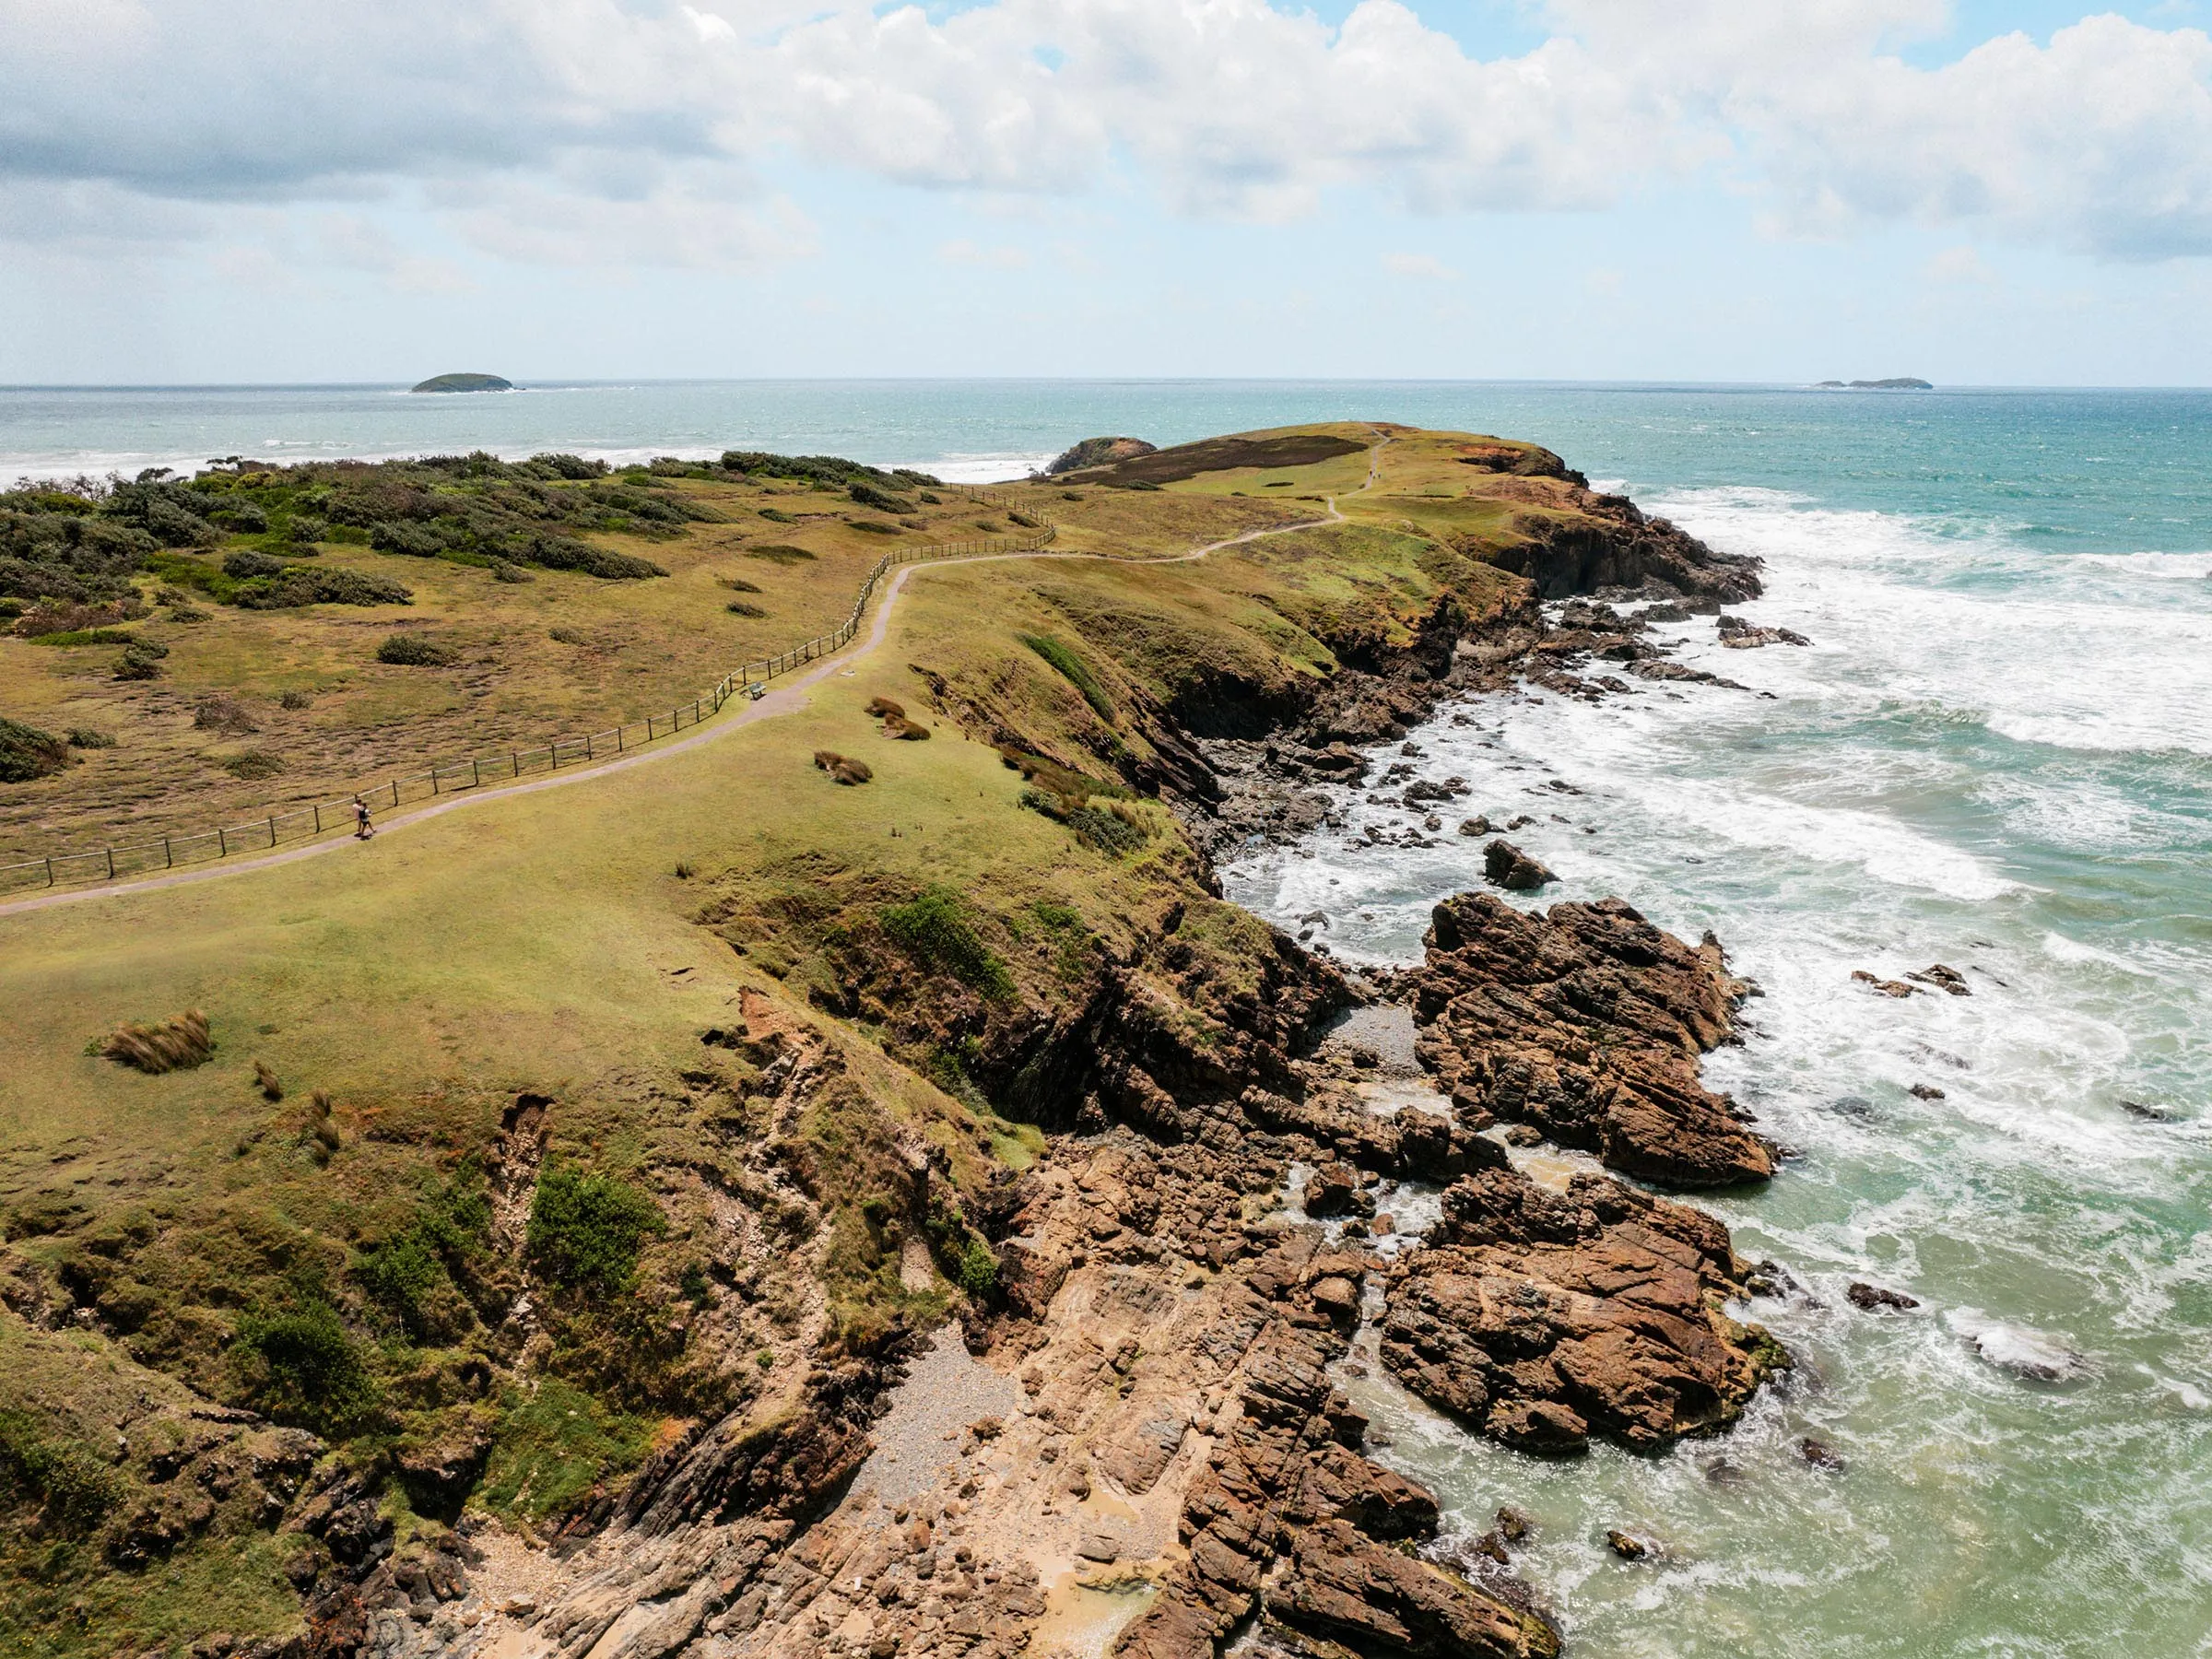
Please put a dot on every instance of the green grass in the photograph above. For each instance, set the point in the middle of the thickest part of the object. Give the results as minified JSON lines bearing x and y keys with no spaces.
{"x":556,"y":1446}
{"x":935,"y":931}
{"x":1076,"y":670}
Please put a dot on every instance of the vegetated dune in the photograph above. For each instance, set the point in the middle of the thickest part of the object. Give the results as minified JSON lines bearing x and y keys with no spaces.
{"x":588,"y":1168}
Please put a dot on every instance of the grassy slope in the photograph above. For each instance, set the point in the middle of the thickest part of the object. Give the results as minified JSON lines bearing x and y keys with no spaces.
{"x":545,"y":945}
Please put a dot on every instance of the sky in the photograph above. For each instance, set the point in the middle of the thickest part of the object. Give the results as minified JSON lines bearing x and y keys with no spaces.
{"x":310,"y":190}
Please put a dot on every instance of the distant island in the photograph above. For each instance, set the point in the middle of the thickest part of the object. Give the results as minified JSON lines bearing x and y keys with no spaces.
{"x":465,"y":382}
{"x":1903,"y":383}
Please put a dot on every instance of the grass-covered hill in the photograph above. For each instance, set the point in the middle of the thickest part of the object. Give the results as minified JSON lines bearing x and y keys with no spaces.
{"x":498,"y":1153}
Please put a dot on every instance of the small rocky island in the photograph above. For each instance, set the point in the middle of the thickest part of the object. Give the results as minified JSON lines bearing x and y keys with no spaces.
{"x":1901,"y":383}
{"x":465,"y":383}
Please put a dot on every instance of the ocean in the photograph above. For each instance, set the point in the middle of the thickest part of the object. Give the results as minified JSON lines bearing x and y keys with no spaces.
{"x":1997,"y":754}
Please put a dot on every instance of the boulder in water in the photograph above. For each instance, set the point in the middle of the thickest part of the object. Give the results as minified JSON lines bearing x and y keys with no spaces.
{"x":1505,"y":865}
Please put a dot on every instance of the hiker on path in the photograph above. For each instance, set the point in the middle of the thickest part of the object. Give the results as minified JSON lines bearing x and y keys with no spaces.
{"x":362,"y":828}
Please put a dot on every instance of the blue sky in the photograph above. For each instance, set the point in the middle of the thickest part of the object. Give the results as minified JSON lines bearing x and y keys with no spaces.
{"x":1588,"y":189}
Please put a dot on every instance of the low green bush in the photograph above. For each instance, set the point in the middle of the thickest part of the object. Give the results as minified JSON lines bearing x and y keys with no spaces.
{"x":26,"y":752}
{"x":585,"y":1231}
{"x":782,"y":553}
{"x":412,"y":651}
{"x":254,"y":764}
{"x":300,"y":1366}
{"x":87,"y":738}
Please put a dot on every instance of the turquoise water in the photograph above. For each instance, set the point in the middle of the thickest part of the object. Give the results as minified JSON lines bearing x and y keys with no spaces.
{"x":1996,"y":755}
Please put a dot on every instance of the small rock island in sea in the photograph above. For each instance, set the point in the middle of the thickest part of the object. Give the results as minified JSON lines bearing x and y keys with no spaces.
{"x":465,"y":382}
{"x":1901,"y":383}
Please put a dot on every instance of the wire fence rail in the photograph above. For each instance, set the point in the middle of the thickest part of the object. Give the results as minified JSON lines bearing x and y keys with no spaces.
{"x":319,"y":819}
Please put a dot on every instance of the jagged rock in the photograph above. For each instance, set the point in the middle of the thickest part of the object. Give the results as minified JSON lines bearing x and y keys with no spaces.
{"x":1505,"y":865}
{"x":1333,"y":1190}
{"x":1475,"y":826}
{"x":1627,"y":1546}
{"x":1870,"y":1298}
{"x":1543,"y":1320}
{"x":1614,"y":545}
{"x":1896,"y":988}
{"x":1740,"y":635}
{"x":1587,"y":1023}
{"x":1948,"y":979}
{"x":1097,"y":451}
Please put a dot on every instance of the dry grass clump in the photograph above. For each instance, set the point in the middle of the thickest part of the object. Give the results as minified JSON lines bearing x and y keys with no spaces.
{"x":884,"y":707}
{"x":265,"y":1080}
{"x":412,"y":651}
{"x":253,"y":764}
{"x":843,"y":768}
{"x":226,"y":715}
{"x":323,"y":1134}
{"x":782,"y":553}
{"x":176,"y":1044}
{"x":295,"y":699}
{"x":741,"y":608}
{"x":739,"y":584}
{"x":905,"y":729}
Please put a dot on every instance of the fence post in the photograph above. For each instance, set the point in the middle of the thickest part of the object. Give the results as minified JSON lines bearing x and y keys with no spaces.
{"x":318,"y":817}
{"x":396,"y":794}
{"x":272,"y":829}
{"x":618,"y":740}
{"x":433,"y":780}
{"x":167,"y":861}
{"x":587,"y":746}
{"x":514,"y":759}
{"x":475,"y":773}
{"x":222,"y":841}
{"x":50,"y":872}
{"x":649,"y":729}
{"x":111,"y":851}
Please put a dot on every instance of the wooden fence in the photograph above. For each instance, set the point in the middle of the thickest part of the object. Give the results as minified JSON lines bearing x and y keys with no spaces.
{"x":336,"y":816}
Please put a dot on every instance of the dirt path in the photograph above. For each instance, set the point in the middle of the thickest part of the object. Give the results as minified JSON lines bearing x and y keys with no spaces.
{"x":785,"y":699}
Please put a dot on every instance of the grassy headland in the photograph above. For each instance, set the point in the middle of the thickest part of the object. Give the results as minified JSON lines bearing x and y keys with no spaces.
{"x":544,"y":1131}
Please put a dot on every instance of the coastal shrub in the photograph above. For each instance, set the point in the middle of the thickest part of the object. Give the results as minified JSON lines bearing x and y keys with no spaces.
{"x":245,"y":564}
{"x":585,"y":1231}
{"x":175,"y":1044}
{"x":305,"y":529}
{"x":411,"y":1276}
{"x":874,"y":527}
{"x":1026,"y":521}
{"x":782,"y":553}
{"x":254,"y":765}
{"x":568,"y":636}
{"x":64,"y":639}
{"x":301,"y":1367}
{"x":242,"y":518}
{"x":26,"y":752}
{"x":565,"y":467}
{"x":75,"y":1488}
{"x":1073,"y":669}
{"x":832,"y":472}
{"x":740,"y":608}
{"x":90,"y":738}
{"x":934,"y":931}
{"x":501,"y":570}
{"x":739,"y":584}
{"x":776,"y":515}
{"x":141,"y":661}
{"x":415,"y":541}
{"x":295,"y":699}
{"x":412,"y":651}
{"x":566,"y":553}
{"x":868,"y":495}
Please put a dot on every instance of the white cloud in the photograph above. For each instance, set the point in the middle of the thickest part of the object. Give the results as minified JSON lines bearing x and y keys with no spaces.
{"x":1961,"y":264}
{"x":2098,"y":140}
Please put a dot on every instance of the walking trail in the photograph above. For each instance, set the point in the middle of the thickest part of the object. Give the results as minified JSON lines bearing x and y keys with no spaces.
{"x":785,"y":699}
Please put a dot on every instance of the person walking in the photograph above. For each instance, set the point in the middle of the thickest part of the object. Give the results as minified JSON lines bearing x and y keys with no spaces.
{"x":362,"y":828}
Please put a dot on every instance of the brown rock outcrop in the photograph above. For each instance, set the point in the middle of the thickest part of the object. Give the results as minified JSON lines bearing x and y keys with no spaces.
{"x":1586,"y":1023}
{"x":1544,"y":1319}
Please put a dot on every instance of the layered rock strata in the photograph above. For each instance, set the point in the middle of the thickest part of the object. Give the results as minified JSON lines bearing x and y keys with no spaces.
{"x":1586,"y":1023}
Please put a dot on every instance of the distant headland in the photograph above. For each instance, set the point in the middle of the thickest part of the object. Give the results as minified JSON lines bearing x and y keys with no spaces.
{"x":1903,"y":383}
{"x":465,"y":382}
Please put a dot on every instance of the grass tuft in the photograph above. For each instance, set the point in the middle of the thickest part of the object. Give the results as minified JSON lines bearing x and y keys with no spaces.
{"x":176,"y":1044}
{"x":412,"y":651}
